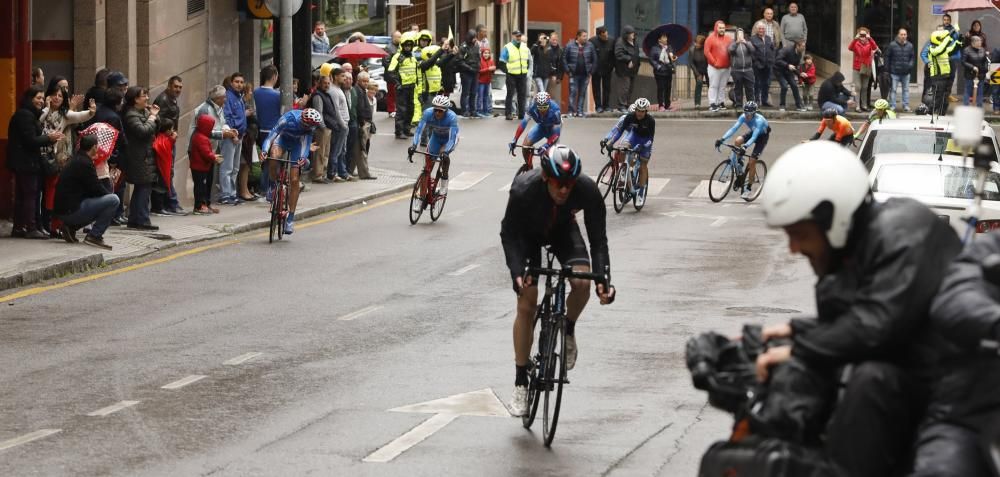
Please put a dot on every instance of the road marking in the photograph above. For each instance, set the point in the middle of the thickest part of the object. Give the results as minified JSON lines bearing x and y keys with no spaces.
{"x":719,"y":222}
{"x":113,"y":408}
{"x":467,"y":180}
{"x":27,"y":438}
{"x":482,"y":403}
{"x":462,"y":212}
{"x":358,"y":314}
{"x":243,"y":358}
{"x":138,"y":266}
{"x":701,"y":191}
{"x":505,"y":188}
{"x":656,"y":185}
{"x":180,"y":383}
{"x":465,"y":269}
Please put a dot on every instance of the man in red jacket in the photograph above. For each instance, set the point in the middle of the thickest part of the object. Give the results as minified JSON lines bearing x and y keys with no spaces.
{"x":717,"y":54}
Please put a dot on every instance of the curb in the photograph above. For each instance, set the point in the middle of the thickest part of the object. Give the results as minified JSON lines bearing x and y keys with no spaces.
{"x":57,"y":268}
{"x":770,"y":114}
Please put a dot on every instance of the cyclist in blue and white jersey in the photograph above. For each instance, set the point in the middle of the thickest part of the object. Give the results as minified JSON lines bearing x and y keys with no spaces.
{"x":757,"y":136}
{"x":293,"y":134}
{"x":442,"y":123}
{"x":637,"y":129}
{"x":548,"y":125}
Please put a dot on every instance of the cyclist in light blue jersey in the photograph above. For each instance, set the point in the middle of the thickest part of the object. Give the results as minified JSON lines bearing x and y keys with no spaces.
{"x":757,"y":136}
{"x":292,"y":134}
{"x":442,"y":123}
{"x":546,"y":114}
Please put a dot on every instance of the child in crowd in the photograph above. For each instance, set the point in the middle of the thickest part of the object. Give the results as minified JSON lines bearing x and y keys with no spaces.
{"x":163,"y":149}
{"x":807,"y":78}
{"x":202,"y":158}
{"x":484,"y":94}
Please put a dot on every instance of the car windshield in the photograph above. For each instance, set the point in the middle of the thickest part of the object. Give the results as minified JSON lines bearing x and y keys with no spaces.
{"x":916,"y":142}
{"x":935,"y":180}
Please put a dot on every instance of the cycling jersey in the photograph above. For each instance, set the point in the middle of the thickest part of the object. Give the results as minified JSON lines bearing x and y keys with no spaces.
{"x":757,"y":125}
{"x":291,"y":135}
{"x":443,"y":132}
{"x":616,"y":130}
{"x":841,"y":129}
{"x":640,"y":133}
{"x":533,"y":220}
{"x":549,"y":124}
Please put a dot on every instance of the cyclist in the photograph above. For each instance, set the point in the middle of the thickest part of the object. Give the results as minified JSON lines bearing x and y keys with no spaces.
{"x":292,"y":134}
{"x":548,"y":125}
{"x":757,"y":136}
{"x":616,"y":128}
{"x":442,"y":124}
{"x":843,"y":132}
{"x":880,"y":113}
{"x":541,"y":211}
{"x":641,"y":128}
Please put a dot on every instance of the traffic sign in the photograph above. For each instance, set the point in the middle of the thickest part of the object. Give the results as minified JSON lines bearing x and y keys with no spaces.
{"x":995,"y":77}
{"x":268,"y":9}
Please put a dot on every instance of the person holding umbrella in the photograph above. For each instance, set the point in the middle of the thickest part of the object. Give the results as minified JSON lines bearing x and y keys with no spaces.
{"x":662,"y":57}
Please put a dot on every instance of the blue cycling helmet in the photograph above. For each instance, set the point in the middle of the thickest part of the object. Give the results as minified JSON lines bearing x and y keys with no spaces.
{"x":750,"y":107}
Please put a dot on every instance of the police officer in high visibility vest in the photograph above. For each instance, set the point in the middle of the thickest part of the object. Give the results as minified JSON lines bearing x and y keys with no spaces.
{"x":432,"y":75}
{"x":424,"y":40}
{"x":403,"y":67}
{"x":942,"y":45}
{"x":514,"y":61}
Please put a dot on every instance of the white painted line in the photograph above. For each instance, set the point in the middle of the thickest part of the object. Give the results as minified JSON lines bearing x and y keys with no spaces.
{"x":753,"y":206}
{"x":358,"y":314}
{"x":505,"y":188}
{"x":113,"y":408}
{"x":726,"y":205}
{"x":700,"y":192}
{"x":28,"y":438}
{"x":656,"y":185}
{"x":184,"y":382}
{"x":719,"y":222}
{"x":243,"y":358}
{"x":413,"y":437}
{"x":464,"y":270}
{"x":467,"y":180}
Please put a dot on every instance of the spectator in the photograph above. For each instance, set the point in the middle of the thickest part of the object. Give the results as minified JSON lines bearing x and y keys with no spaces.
{"x":214,"y":106}
{"x":741,"y":53}
{"x":202,"y":158}
{"x":581,"y":62}
{"x":557,"y":67}
{"x":163,"y":154}
{"x":336,"y":169}
{"x":976,"y":63}
{"x":663,"y":60}
{"x":236,"y":120}
{"x":118,"y":80}
{"x":350,"y":156}
{"x":700,"y":65}
{"x":369,"y":129}
{"x":451,"y":65}
{"x":414,"y":27}
{"x":320,"y":42}
{"x":37,"y":77}
{"x":111,"y":169}
{"x":469,"y":68}
{"x":764,"y":55}
{"x":81,"y":199}
{"x":833,"y":94}
{"x":96,"y":92}
{"x":540,"y":63}
{"x":169,"y":109}
{"x":432,"y":73}
{"x":403,"y":67}
{"x":58,"y":82}
{"x":363,"y":118}
{"x":357,"y":37}
{"x":24,"y":160}
{"x":514,"y":61}
{"x":943,"y":44}
{"x":247,"y":151}
{"x":793,"y":26}
{"x":141,"y":124}
{"x":995,"y":90}
{"x":626,"y":66}
{"x":485,"y":95}
{"x":604,"y":47}
{"x":975,"y":29}
{"x":268,"y":109}
{"x":786,"y":66}
{"x":390,"y":96}
{"x":481,"y":37}
{"x":323,"y":102}
{"x":899,"y":59}
{"x":771,"y":28}
{"x":807,"y":79}
{"x":864,"y":49}
{"x":926,"y":60}
{"x":955,"y":58}
{"x":717,"y":53}
{"x":58,"y":116}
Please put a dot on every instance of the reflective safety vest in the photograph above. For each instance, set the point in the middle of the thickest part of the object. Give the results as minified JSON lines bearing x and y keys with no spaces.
{"x":940,"y":64}
{"x":405,"y":67}
{"x":517,"y":58}
{"x":433,"y":79}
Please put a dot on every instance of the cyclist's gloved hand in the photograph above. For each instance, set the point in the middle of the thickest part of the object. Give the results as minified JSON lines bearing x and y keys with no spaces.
{"x":718,"y":144}
{"x":604,"y":145}
{"x":303,"y":162}
{"x":606,"y":293}
{"x":544,"y":149}
{"x":511,"y":147}
{"x":410,"y":151}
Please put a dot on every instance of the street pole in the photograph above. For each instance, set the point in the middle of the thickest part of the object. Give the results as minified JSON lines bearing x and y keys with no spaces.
{"x":286,"y":55}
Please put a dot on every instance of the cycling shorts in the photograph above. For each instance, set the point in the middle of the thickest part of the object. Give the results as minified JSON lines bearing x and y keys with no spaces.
{"x":539,"y":132}
{"x":568,"y":246}
{"x":644,"y":151}
{"x":292,"y":147}
{"x":436,"y":144}
{"x":760,"y":144}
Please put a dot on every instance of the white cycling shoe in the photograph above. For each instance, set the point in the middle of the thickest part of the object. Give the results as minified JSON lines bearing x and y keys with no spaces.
{"x":519,"y":401}
{"x":570,"y":352}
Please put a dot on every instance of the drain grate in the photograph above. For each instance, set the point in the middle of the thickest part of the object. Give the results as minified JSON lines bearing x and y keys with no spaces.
{"x":762,"y":309}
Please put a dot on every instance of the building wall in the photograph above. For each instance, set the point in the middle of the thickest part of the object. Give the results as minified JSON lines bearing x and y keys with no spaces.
{"x":563,"y":17}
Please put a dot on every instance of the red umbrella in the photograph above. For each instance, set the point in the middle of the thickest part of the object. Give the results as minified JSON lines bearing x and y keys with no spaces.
{"x":107,"y":136}
{"x":359,"y":50}
{"x":959,"y":5}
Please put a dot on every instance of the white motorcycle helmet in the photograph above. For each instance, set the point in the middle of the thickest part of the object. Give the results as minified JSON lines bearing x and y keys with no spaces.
{"x":808,"y":175}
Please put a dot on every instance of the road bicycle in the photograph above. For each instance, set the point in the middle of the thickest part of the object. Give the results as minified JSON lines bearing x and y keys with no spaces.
{"x":609,"y":173}
{"x":279,"y":198}
{"x":528,"y":159}
{"x":731,"y":173}
{"x":547,"y":368}
{"x":425,"y":190}
{"x":626,"y":183}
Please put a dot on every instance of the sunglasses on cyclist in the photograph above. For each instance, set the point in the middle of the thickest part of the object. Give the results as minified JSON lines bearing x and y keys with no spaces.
{"x":561,"y":183}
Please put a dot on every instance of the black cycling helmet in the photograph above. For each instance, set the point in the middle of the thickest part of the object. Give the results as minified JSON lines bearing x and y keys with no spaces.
{"x":750,"y":107}
{"x":561,"y":163}
{"x":829,"y":113}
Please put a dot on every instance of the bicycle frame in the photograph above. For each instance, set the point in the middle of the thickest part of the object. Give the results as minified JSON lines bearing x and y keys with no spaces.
{"x":430,"y":181}
{"x":739,"y":170}
{"x":532,"y":152}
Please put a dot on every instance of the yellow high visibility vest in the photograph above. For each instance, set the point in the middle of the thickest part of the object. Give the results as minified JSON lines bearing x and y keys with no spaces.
{"x":433,"y":79}
{"x":517,"y":58}
{"x":404,"y":66}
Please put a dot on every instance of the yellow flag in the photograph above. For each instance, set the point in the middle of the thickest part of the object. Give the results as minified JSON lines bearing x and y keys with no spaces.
{"x":451,"y":36}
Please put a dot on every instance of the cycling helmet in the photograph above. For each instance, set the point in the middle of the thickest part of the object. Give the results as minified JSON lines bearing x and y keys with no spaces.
{"x":793,"y":193}
{"x":561,"y":163}
{"x":408,"y":37}
{"x":641,"y":104}
{"x":425,"y":35}
{"x":542,"y":99}
{"x":441,"y":102}
{"x":631,"y":108}
{"x":939,"y":36}
{"x":428,"y":51}
{"x":750,"y":107}
{"x":882,"y":104}
{"x":311,"y":117}
{"x":922,"y":110}
{"x":829,"y":113}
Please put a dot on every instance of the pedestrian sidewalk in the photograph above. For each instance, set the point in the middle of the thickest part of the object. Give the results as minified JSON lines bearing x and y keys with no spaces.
{"x":24,"y":262}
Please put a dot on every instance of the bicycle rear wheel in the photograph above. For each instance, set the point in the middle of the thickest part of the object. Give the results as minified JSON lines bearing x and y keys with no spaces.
{"x":437,"y":202}
{"x":275,"y":218}
{"x":555,"y":376}
{"x":416,"y":200}
{"x":606,"y":179}
{"x":620,"y":193}
{"x":758,"y":181}
{"x":281,"y":200}
{"x":720,"y":180}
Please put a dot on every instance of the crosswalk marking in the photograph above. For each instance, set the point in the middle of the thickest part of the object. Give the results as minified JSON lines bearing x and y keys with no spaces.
{"x":701,"y":191}
{"x":505,"y":188}
{"x":467,"y":180}
{"x":104,"y":411}
{"x":656,"y":185}
{"x":7,"y":444}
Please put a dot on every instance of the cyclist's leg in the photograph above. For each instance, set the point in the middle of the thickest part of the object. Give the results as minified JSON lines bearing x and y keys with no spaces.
{"x":571,"y":251}
{"x":294,"y":153}
{"x":524,"y":322}
{"x":535,"y":134}
{"x":436,"y":146}
{"x":277,"y":151}
{"x":758,"y":149}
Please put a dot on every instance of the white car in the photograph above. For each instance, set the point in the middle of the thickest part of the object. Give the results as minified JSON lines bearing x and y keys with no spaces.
{"x":915,"y":134}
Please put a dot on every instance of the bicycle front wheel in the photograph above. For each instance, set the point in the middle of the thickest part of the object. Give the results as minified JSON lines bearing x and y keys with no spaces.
{"x":555,"y":376}
{"x":437,"y":202}
{"x":606,"y":179}
{"x":720,"y":181}
{"x":280,"y":205}
{"x":758,"y":181}
{"x":417,"y":200}
{"x":620,"y":192}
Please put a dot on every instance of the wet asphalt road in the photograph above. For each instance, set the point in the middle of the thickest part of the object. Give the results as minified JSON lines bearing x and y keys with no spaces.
{"x":360,"y":313}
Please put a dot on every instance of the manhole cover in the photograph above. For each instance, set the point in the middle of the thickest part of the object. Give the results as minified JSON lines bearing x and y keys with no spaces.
{"x":761,"y":309}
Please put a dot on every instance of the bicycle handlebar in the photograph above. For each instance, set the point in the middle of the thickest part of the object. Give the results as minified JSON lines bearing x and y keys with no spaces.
{"x":280,"y":159}
{"x":736,"y":149}
{"x":568,"y":272}
{"x":434,"y":157}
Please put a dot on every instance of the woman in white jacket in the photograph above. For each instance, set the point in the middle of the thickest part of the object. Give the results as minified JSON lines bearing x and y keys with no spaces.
{"x":59,"y":116}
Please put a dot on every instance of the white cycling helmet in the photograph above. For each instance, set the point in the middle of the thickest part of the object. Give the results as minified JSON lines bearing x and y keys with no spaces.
{"x":441,"y":102}
{"x":809,"y":175}
{"x":641,"y":104}
{"x":542,"y":99}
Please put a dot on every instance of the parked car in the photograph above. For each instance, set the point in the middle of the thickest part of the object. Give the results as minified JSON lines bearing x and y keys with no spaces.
{"x":498,"y":89}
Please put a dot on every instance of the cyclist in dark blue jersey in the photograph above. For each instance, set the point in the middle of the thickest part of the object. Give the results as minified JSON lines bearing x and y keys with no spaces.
{"x":545,"y":113}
